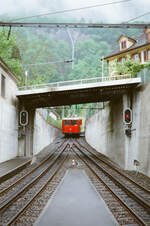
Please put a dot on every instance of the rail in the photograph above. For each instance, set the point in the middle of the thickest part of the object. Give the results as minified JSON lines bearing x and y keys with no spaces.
{"x":76,"y":82}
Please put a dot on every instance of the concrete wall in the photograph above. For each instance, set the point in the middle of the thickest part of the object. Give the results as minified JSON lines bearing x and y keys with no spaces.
{"x":12,"y":144}
{"x":105,"y":130}
{"x":44,"y":134}
{"x":8,"y":117}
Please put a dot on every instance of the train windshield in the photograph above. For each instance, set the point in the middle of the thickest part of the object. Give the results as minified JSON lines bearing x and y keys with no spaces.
{"x":74,"y":122}
{"x":67,"y":122}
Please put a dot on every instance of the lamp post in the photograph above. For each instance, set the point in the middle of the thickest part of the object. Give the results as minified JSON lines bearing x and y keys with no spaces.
{"x":26,"y":77}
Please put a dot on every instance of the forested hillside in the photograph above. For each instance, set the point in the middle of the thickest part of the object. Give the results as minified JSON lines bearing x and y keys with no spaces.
{"x":42,"y":52}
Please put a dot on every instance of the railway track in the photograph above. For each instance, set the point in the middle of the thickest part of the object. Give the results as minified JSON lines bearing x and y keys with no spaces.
{"x":29,"y":172}
{"x":17,"y":201}
{"x":24,"y":199}
{"x":124,"y":178}
{"x":134,"y":201}
{"x":35,"y":163}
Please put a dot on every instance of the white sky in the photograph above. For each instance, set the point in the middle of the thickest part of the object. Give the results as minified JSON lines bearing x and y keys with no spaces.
{"x":113,"y":13}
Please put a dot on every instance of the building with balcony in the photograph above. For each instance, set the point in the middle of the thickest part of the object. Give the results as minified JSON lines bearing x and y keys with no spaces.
{"x":138,"y":49}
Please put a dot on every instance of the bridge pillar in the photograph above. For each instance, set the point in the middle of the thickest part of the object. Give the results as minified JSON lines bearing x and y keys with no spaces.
{"x":127,"y":103}
{"x":25,"y":138}
{"x":29,"y":131}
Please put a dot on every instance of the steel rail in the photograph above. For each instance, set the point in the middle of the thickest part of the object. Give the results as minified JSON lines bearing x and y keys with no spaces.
{"x":116,"y":170}
{"x":130,"y":211}
{"x":30,"y":172}
{"x":37,"y":193}
{"x":130,"y":192}
{"x":74,"y":25}
{"x":33,"y":180}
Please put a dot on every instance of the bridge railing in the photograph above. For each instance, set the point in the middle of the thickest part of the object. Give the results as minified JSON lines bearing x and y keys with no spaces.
{"x":76,"y":82}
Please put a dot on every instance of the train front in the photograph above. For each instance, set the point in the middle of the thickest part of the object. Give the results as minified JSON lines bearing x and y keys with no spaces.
{"x":71,"y":126}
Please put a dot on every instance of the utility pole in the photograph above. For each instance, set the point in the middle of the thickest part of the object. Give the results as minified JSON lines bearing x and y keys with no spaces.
{"x":102,"y":66}
{"x":63,"y":111}
{"x":72,"y":43}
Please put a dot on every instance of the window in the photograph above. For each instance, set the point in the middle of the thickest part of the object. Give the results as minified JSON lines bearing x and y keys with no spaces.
{"x":67,"y":122}
{"x":119,"y":59}
{"x":123,"y":60}
{"x":148,"y":54}
{"x":145,"y":55}
{"x":2,"y":85}
{"x":136,"y":57}
{"x":74,"y":122}
{"x":123,"y":45}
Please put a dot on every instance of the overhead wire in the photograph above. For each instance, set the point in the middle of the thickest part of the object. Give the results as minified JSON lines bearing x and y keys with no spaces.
{"x":64,"y":61}
{"x":71,"y":10}
{"x":145,"y":14}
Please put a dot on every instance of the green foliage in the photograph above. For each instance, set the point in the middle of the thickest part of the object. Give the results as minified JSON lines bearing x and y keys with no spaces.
{"x":56,"y":123}
{"x":9,"y":52}
{"x":39,"y":45}
{"x":52,"y":45}
{"x":88,"y":55}
{"x":147,"y":65}
{"x":128,"y":66}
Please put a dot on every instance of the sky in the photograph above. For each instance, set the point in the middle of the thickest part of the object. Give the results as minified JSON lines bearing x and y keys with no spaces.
{"x":116,"y":13}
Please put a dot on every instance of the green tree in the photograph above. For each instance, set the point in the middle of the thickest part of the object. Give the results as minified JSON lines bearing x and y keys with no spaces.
{"x":10,"y":53}
{"x":128,"y":66}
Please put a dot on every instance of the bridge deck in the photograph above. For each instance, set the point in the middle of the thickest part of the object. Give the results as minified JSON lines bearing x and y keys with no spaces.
{"x":75,"y":94}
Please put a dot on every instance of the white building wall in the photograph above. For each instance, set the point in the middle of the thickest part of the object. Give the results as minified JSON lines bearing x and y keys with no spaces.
{"x":8,"y":132}
{"x":44,"y":134}
{"x":8,"y":119}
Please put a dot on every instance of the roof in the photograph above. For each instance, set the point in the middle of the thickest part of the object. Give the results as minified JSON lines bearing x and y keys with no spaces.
{"x":133,"y":40}
{"x":140,"y":41}
{"x":72,"y":118}
{"x":8,"y":70}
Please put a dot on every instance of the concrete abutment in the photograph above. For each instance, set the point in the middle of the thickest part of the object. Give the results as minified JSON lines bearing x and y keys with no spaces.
{"x":26,"y":133}
{"x":109,"y":130}
{"x":36,"y":134}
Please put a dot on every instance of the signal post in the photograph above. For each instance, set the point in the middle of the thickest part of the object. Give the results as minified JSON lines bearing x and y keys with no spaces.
{"x":129,"y":125}
{"x":26,"y":130}
{"x":127,"y":118}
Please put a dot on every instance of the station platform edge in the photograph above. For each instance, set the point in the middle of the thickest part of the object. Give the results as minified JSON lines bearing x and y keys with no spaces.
{"x":12,"y":166}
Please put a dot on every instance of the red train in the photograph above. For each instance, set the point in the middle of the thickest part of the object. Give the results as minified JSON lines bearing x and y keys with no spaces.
{"x":71,"y":126}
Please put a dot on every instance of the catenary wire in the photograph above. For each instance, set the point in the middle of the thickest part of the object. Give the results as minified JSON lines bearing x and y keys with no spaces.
{"x":45,"y":63}
{"x":145,"y":14}
{"x":70,"y":10}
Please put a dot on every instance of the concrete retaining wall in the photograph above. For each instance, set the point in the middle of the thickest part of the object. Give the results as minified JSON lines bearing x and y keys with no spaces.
{"x":105,"y":130}
{"x":44,"y":134}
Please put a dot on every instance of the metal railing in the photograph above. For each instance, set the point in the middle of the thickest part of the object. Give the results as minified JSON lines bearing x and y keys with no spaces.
{"x":76,"y":82}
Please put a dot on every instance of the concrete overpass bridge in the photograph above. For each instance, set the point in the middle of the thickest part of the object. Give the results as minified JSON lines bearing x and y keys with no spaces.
{"x":76,"y":91}
{"x":67,"y":93}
